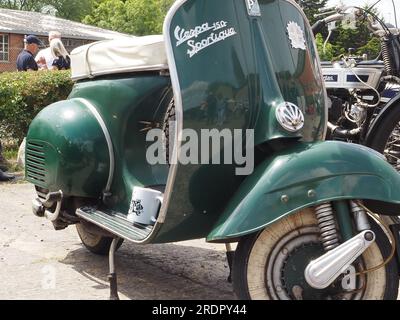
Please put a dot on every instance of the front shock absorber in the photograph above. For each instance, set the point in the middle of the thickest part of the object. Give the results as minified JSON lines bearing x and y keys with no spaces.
{"x":387,"y":60}
{"x":327,"y":225}
{"x":360,"y":217}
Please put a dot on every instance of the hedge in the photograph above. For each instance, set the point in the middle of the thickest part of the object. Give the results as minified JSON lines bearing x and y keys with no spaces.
{"x":24,"y":94}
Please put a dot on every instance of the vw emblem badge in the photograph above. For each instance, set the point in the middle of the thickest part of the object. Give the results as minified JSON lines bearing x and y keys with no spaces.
{"x":290,"y":117}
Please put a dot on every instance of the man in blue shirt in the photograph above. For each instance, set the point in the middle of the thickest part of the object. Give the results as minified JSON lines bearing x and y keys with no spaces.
{"x":26,"y":60}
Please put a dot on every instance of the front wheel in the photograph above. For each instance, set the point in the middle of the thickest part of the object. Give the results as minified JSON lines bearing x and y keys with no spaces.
{"x":270,"y":265}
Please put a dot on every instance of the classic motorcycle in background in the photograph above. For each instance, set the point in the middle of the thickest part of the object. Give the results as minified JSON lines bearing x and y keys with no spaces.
{"x":303,"y":218}
{"x":364,"y":94}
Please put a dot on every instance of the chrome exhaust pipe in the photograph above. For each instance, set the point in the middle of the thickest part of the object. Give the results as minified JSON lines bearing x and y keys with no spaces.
{"x":41,"y":208}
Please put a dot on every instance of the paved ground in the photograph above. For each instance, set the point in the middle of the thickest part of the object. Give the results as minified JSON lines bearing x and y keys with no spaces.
{"x":37,"y":262}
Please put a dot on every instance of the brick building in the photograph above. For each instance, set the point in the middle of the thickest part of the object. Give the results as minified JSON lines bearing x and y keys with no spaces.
{"x":14,"y":25}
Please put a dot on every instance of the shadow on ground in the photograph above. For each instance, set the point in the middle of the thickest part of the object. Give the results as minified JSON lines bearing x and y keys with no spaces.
{"x":164,"y":271}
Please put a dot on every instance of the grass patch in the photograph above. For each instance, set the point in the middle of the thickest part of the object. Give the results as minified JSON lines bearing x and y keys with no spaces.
{"x":10,"y":154}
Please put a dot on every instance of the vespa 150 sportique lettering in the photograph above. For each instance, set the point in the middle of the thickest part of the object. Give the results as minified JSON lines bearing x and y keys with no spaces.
{"x":218,"y":31}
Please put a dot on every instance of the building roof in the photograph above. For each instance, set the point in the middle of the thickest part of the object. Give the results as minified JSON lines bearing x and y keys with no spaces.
{"x":28,"y":22}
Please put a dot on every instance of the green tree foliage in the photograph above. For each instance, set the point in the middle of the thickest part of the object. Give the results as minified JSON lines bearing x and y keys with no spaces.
{"x":74,"y":10}
{"x":326,"y":52}
{"x":27,"y":5}
{"x":110,"y":14}
{"x":361,"y":39}
{"x":342,"y":39}
{"x":372,"y":48}
{"x":138,"y":17}
{"x":311,"y":7}
{"x":69,"y":9}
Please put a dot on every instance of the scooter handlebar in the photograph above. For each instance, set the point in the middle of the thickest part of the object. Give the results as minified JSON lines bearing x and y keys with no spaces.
{"x":326,"y":9}
{"x":334,"y":17}
{"x":323,"y":22}
{"x":318,"y":26}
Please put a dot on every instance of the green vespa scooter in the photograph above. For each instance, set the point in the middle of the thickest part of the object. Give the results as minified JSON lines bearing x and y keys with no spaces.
{"x":119,"y":160}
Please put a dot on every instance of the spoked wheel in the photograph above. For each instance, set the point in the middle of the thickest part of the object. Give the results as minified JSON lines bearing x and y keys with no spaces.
{"x":95,"y":242}
{"x":387,"y":138}
{"x":168,"y":128}
{"x":387,"y":141}
{"x":270,"y":265}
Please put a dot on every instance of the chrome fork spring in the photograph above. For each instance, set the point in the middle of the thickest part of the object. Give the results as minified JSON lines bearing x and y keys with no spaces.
{"x":386,"y":57}
{"x":327,"y":225}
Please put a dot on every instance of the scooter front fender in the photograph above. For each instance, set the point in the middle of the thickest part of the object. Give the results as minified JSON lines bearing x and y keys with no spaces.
{"x":302,"y":176}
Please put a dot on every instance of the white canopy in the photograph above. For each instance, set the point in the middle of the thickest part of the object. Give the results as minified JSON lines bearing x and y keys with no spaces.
{"x":117,"y":56}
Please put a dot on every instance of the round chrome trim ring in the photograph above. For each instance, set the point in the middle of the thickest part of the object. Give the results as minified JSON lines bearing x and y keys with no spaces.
{"x":290,"y":117}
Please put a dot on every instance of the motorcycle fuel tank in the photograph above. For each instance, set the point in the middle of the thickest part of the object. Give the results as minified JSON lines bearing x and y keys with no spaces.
{"x":338,"y":76}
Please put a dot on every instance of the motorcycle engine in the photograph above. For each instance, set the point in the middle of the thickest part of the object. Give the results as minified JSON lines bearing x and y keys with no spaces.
{"x":351,"y":90}
{"x":336,"y":105}
{"x":347,"y":110}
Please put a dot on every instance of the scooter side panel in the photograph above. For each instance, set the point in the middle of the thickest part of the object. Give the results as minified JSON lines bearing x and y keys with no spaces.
{"x":232,"y":71}
{"x":124,"y":103}
{"x":66,"y":151}
{"x":303,"y":176}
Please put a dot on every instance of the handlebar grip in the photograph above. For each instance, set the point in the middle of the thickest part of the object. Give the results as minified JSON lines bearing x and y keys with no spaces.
{"x":326,"y":9}
{"x":318,"y":26}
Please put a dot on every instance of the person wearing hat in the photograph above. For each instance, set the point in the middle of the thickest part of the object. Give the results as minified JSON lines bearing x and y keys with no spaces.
{"x":26,"y":60}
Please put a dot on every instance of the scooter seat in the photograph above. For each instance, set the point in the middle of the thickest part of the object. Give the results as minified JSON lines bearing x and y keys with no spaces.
{"x":119,"y":56}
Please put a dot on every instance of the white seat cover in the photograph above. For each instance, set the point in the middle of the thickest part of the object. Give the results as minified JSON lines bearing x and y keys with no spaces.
{"x":117,"y":56}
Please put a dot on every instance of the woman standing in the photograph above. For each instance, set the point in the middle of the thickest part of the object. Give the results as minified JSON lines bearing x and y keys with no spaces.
{"x":62,"y":60}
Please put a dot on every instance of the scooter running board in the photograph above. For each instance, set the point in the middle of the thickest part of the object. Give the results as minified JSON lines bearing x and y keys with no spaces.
{"x":322,"y":272}
{"x":115,"y":223}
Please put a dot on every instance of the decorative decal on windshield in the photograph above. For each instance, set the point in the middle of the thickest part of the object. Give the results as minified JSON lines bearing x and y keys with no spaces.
{"x":253,"y":8}
{"x":296,"y":36}
{"x":210,"y":34}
